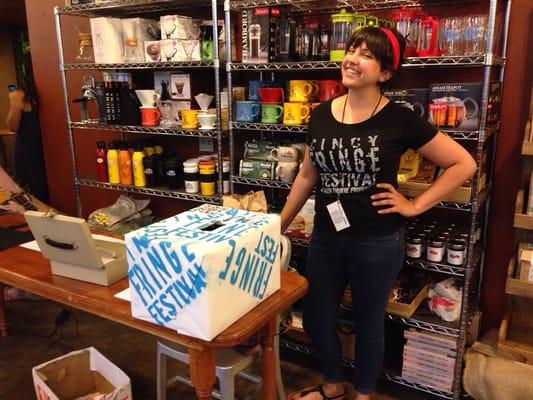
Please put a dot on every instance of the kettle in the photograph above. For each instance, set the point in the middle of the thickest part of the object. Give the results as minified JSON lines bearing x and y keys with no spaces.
{"x":88,"y":93}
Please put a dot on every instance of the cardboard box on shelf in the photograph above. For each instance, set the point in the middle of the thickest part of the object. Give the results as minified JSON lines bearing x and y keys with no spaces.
{"x":180,"y":86}
{"x":188,"y":50}
{"x":108,"y":45}
{"x":152,"y":50}
{"x":259,"y":34}
{"x":455,"y":106}
{"x":142,"y":29}
{"x":200,"y":271}
{"x":413,"y":99}
{"x":159,"y":78}
{"x":177,"y":27}
{"x":83,"y":374}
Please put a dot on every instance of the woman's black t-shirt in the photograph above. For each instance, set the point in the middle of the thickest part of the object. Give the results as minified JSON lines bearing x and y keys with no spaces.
{"x":352,"y":158}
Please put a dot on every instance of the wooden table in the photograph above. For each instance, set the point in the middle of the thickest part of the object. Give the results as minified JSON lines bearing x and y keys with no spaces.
{"x":30,"y":271}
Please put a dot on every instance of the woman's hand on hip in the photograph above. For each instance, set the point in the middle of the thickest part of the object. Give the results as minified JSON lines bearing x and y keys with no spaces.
{"x":397,"y":201}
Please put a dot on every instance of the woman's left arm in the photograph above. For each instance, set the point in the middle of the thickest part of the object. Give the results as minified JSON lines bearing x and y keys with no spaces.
{"x":16,"y":103}
{"x":458,"y":166}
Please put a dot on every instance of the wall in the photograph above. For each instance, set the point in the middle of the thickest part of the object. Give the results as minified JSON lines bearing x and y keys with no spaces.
{"x":507,"y":166}
{"x":7,"y":76}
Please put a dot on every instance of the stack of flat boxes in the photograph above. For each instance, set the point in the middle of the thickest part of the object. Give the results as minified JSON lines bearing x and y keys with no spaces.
{"x":429,"y":359}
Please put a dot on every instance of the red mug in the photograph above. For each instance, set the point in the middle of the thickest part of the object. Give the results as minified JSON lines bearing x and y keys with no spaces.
{"x":150,"y":116}
{"x":271,"y":95}
{"x":329,"y":89}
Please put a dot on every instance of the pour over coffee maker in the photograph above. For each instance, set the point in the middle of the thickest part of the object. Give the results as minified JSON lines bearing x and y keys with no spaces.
{"x":165,"y":106}
{"x":131,"y":49}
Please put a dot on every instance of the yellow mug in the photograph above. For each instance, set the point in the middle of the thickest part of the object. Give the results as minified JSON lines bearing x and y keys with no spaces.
{"x":188,"y":118}
{"x":301,"y":91}
{"x":295,"y":113}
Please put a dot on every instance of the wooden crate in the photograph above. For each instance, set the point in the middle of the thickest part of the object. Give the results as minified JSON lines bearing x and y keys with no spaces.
{"x":522,"y":220}
{"x":515,"y":338}
{"x":407,"y":310}
{"x":517,"y":287}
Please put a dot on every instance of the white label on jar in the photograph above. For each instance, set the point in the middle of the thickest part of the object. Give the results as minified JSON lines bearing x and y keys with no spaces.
{"x":435,"y":254}
{"x":414,"y":250}
{"x":456,"y":257}
{"x":225,"y":187}
{"x":191,"y":186}
{"x":100,"y":160}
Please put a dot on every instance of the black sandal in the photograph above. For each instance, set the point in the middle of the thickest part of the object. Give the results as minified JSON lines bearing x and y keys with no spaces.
{"x":319,"y":389}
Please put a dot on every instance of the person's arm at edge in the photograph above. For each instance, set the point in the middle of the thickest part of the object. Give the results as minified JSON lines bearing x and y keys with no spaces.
{"x":301,"y":190}
{"x":16,"y":103}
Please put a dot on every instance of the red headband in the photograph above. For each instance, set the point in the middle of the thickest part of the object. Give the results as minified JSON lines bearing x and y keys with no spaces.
{"x":395,"y":47}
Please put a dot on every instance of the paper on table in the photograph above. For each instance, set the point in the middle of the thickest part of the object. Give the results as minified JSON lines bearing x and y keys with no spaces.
{"x":34,"y":246}
{"x":124,"y":295}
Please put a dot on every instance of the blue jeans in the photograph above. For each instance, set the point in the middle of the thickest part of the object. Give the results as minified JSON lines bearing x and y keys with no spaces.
{"x":370,"y":265}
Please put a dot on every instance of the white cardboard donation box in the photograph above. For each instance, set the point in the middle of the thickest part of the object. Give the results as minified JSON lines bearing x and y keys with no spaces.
{"x":84,"y":374}
{"x":200,"y":271}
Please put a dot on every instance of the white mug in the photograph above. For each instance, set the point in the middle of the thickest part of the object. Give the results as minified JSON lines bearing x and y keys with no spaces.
{"x":286,"y":171}
{"x":285,"y":154}
{"x":301,"y":150}
{"x":207,"y":121}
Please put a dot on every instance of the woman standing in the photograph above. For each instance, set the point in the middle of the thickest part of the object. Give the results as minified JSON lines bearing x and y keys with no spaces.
{"x":23,"y":118}
{"x":354,"y":145}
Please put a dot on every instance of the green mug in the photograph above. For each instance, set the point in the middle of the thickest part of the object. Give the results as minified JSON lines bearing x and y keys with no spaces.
{"x":271,"y":113}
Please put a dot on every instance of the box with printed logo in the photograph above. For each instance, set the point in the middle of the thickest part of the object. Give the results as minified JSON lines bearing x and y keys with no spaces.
{"x":259,"y":28}
{"x":455,"y":106}
{"x":200,"y":271}
{"x":413,"y":99}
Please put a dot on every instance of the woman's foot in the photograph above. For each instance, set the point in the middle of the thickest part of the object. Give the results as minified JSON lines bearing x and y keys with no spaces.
{"x":326,"y":391}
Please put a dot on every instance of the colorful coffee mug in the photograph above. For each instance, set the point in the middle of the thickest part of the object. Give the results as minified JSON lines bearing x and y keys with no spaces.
{"x":150,"y":116}
{"x":271,"y":95}
{"x":247,"y":111}
{"x":285,"y":154}
{"x":312,"y":106}
{"x":295,"y":113}
{"x":286,"y":171}
{"x":271,"y":113}
{"x":329,"y":89}
{"x":188,"y":118}
{"x":300,"y":91}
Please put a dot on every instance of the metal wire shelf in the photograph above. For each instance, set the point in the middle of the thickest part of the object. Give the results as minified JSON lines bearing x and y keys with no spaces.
{"x":146,"y":130}
{"x":252,"y":126}
{"x":409,"y":62}
{"x":444,"y":268}
{"x":141,"y":65}
{"x":130,"y":7}
{"x":261,"y":182}
{"x":159,"y":192}
{"x":418,"y":386}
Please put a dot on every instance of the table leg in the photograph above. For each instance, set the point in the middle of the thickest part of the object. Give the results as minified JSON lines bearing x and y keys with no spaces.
{"x":3,"y":322}
{"x":269,"y":359}
{"x":202,"y":367}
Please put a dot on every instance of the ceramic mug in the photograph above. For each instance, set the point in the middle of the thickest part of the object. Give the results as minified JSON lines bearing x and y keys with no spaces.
{"x":206,"y":120}
{"x":301,"y":150}
{"x":150,"y":116}
{"x":285,"y":154}
{"x":247,"y":111}
{"x":329,"y":89}
{"x":271,"y":95}
{"x":312,"y":106}
{"x":188,"y":118}
{"x":295,"y":113}
{"x":253,"y":89}
{"x":286,"y":171}
{"x":300,"y":91}
{"x":271,"y":113}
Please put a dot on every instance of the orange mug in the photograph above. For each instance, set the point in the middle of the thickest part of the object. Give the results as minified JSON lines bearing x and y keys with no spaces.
{"x":150,"y":116}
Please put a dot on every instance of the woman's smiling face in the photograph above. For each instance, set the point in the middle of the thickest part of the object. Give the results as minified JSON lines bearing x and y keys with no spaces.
{"x":360,"y":68}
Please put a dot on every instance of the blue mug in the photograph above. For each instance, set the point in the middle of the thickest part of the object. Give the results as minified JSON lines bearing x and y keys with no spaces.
{"x":253,"y":86}
{"x":247,"y":111}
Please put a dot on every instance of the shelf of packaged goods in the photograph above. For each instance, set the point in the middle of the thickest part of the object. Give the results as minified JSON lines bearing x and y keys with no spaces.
{"x":393,"y":377}
{"x":129,"y":7}
{"x":159,"y":192}
{"x":261,"y":182}
{"x":141,"y":65}
{"x":146,"y":130}
{"x":444,"y":268}
{"x":409,"y":62}
{"x":309,"y":6}
{"x":253,"y":126}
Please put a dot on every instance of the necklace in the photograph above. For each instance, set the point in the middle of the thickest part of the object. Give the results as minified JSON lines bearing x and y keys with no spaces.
{"x":371,"y":115}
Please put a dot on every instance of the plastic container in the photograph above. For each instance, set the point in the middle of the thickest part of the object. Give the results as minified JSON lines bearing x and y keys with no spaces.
{"x":414,"y":247}
{"x":139,"y":179}
{"x":435,"y":249}
{"x":112,"y":164}
{"x":124,"y":165}
{"x":455,"y":252}
{"x":101,"y":162}
{"x":341,"y":30}
{"x":191,"y":177}
{"x":207,"y":177}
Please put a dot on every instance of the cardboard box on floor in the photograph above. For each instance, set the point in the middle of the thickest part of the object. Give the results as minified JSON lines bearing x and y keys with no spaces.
{"x":81,"y":375}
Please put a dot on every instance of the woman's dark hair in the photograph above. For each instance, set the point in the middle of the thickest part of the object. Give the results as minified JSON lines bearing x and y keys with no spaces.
{"x":27,"y":83}
{"x":379,"y":44}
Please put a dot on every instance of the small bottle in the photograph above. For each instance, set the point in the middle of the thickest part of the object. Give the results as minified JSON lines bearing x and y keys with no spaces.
{"x":124,"y":164}
{"x":172,"y":173}
{"x":139,"y":179}
{"x":112,"y":163}
{"x":149,"y":149}
{"x":455,"y":253}
{"x":207,"y":177}
{"x":101,"y":162}
{"x":149,"y":171}
{"x":414,"y":247}
{"x":435,"y":249}
{"x":225,"y":177}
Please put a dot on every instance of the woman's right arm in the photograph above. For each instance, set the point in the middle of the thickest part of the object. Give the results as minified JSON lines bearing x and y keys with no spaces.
{"x":16,"y":103}
{"x":301,"y":190}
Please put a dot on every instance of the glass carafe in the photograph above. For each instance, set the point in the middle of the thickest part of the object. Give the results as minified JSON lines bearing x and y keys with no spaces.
{"x":342,"y":28}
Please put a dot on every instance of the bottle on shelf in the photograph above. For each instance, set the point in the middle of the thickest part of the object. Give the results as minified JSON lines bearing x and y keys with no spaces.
{"x":101,"y":162}
{"x":112,"y":163}
{"x":139,"y":179}
{"x":207,"y":177}
{"x":190,"y":176}
{"x":124,"y":163}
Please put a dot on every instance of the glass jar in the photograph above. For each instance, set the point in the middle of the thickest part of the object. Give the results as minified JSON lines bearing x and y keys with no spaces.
{"x":455,"y":253}
{"x":86,"y":52}
{"x":414,"y":247}
{"x":435,"y":249}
